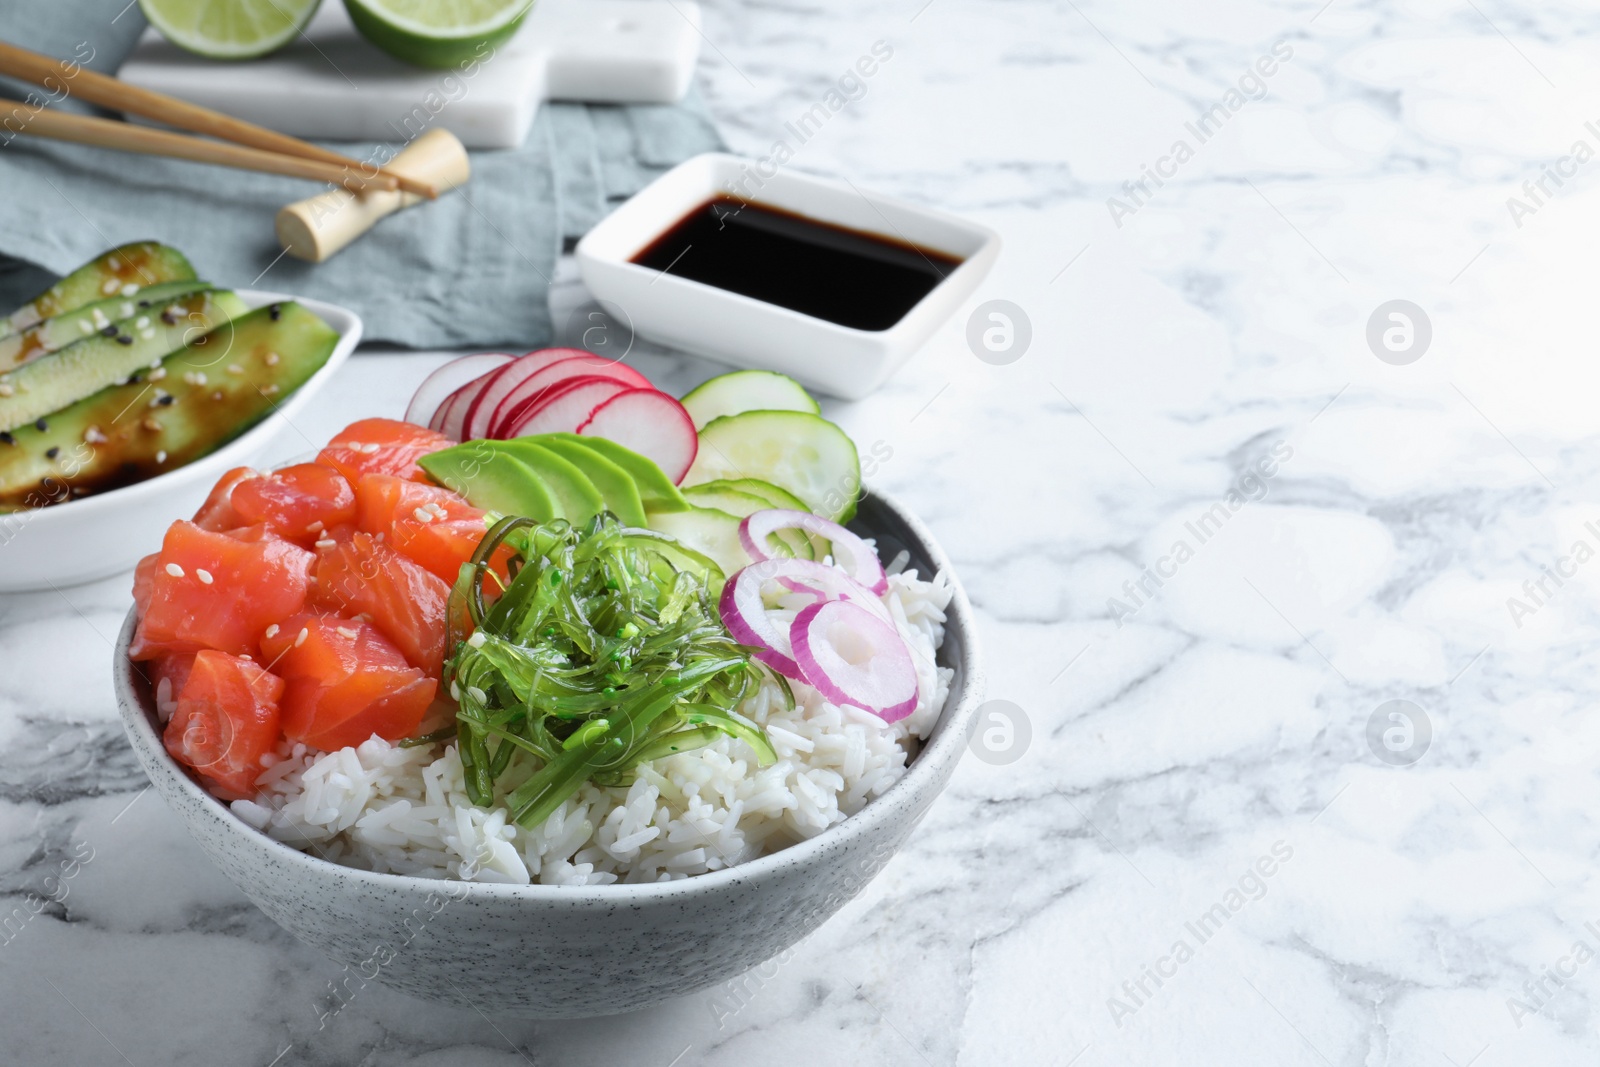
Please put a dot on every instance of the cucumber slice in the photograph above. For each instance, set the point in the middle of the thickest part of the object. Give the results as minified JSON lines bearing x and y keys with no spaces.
{"x":122,"y":271}
{"x":56,"y":333}
{"x":621,"y":495}
{"x":746,"y":390}
{"x":114,"y":438}
{"x":718,"y":495}
{"x":492,"y":480}
{"x":48,"y":384}
{"x":708,"y":531}
{"x":814,"y":547}
{"x":804,"y":454}
{"x":656,"y":490}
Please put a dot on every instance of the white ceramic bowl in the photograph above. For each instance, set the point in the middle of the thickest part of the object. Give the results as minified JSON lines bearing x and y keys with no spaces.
{"x":101,"y":535}
{"x":746,"y":332}
{"x":554,"y":951}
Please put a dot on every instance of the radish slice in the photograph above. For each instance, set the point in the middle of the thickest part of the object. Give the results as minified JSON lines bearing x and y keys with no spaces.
{"x":480,"y":412}
{"x":853,"y":657}
{"x":451,"y":418}
{"x":437,"y":387}
{"x":650,"y":423}
{"x":747,"y":619}
{"x":567,"y":407}
{"x":849,"y":551}
{"x":531,"y":393}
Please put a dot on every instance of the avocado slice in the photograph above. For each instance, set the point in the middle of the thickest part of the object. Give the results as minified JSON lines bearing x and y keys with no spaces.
{"x":132,"y":431}
{"x":656,"y":490}
{"x":620,"y":494}
{"x":123,"y":271}
{"x":56,"y":333}
{"x":575,"y":495}
{"x":48,"y":384}
{"x":491,"y":479}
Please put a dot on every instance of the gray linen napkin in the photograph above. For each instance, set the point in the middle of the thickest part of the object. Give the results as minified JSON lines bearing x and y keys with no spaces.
{"x":469,"y":270}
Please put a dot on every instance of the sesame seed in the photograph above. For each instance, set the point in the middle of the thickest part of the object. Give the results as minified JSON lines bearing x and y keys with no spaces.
{"x":300,"y":638}
{"x":52,"y":452}
{"x":157,"y":374}
{"x":234,"y":368}
{"x":195,"y":377}
{"x":269,"y":390}
{"x":272,"y":631}
{"x":125,"y":339}
{"x":169,"y":316}
{"x":345,"y":631}
{"x":371,"y":448}
{"x":422,"y":515}
{"x":129,"y":289}
{"x":274,"y":310}
{"x":41,"y":425}
{"x":161,"y":457}
{"x":270,"y":359}
{"x":147,"y":333}
{"x":108,"y":330}
{"x":326,"y":542}
{"x":152,"y":425}
{"x":204,"y":575}
{"x":155,"y":401}
{"x":175,"y":570}
{"x":114,"y":262}
{"x":142,"y":321}
{"x":247,"y":656}
{"x":109,"y":287}
{"x":100,"y":320}
{"x":315,"y":527}
{"x":127,"y":310}
{"x":6,"y":438}
{"x":167,"y":400}
{"x":93,"y":435}
{"x":85,"y":326}
{"x":477,"y":639}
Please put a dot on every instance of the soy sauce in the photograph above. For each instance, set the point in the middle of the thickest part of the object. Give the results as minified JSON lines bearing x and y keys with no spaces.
{"x":849,"y":277}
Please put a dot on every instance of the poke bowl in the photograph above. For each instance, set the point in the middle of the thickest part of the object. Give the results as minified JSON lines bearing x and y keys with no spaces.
{"x":580,"y":888}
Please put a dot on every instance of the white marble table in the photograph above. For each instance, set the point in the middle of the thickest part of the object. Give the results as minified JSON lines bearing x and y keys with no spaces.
{"x":1105,"y":898}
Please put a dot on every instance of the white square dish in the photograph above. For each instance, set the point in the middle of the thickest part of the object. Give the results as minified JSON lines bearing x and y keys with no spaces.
{"x":97,"y":536}
{"x":746,"y":332}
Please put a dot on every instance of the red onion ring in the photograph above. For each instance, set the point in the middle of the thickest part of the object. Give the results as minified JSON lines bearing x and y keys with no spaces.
{"x":849,"y":551}
{"x":747,"y":619}
{"x":882,"y":681}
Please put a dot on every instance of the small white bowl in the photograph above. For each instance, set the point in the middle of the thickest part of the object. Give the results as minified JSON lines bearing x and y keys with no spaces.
{"x":101,"y":535}
{"x":746,"y":332}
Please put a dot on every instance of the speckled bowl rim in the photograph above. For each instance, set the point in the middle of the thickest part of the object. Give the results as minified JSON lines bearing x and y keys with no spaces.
{"x":943,"y":747}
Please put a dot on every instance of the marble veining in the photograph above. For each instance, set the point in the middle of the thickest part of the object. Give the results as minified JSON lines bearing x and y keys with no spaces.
{"x":1427,"y":902}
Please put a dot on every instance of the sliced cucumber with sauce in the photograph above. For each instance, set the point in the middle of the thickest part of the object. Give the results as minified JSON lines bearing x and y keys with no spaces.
{"x":746,"y":390}
{"x":801,"y":453}
{"x":727,"y":496}
{"x":47,"y":384}
{"x":54,"y":334}
{"x":122,"y":271}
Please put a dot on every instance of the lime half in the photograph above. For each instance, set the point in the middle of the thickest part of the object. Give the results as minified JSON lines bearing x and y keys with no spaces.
{"x":438,"y":33}
{"x":229,"y":29}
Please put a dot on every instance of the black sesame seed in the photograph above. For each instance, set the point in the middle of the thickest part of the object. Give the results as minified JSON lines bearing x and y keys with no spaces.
{"x":144,"y":303}
{"x":108,"y":331}
{"x":125,"y":339}
{"x":6,"y":438}
{"x":274,"y":310}
{"x":41,"y":426}
{"x":52,"y":452}
{"x":166,"y":400}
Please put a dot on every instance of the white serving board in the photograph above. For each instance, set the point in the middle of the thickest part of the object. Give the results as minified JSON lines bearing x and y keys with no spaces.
{"x":333,"y":84}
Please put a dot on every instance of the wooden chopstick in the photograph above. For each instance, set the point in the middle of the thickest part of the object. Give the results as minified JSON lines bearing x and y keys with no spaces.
{"x":108,"y":133}
{"x":97,"y":88}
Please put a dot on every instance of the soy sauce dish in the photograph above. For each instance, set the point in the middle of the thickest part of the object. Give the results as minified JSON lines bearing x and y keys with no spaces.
{"x":819,"y":280}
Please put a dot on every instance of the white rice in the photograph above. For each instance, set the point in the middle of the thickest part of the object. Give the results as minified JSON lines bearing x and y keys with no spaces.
{"x":405,"y":810}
